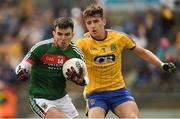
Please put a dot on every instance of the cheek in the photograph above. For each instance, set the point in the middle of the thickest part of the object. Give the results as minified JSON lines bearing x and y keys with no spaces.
{"x":88,"y":26}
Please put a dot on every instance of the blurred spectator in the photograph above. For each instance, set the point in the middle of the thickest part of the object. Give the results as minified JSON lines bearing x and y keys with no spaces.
{"x":150,"y":24}
{"x":130,"y":23}
{"x":7,"y":73}
{"x":169,"y":3}
{"x":167,"y":23}
{"x":47,"y":17}
{"x":165,"y":50}
{"x":143,"y":74}
{"x":76,"y":15}
{"x":8,"y":101}
{"x":177,"y":49}
{"x":140,"y":37}
{"x":11,"y":48}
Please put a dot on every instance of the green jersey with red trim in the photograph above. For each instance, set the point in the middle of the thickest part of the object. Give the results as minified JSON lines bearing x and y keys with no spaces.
{"x":46,"y":79}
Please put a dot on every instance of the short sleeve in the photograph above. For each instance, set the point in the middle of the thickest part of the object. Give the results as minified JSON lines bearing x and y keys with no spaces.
{"x":129,"y":43}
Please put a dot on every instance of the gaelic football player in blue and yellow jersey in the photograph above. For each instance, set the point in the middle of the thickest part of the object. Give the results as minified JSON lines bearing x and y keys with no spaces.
{"x":102,"y":51}
{"x":43,"y":67}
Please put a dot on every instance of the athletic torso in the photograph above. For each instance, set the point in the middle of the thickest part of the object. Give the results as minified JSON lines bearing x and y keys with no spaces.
{"x":46,"y":78}
{"x":103,"y":59}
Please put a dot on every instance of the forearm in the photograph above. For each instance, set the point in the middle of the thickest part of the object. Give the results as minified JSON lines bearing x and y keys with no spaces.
{"x":147,"y":56}
{"x":150,"y":57}
{"x":153,"y":59}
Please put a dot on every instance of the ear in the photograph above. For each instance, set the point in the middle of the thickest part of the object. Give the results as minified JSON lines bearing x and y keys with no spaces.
{"x":54,"y":33}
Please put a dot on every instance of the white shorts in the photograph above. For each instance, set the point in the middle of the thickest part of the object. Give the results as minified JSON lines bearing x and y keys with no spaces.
{"x":40,"y":106}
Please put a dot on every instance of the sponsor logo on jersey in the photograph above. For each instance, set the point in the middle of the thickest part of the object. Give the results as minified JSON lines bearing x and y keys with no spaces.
{"x":54,"y":62}
{"x":53,"y":59}
{"x":105,"y":59}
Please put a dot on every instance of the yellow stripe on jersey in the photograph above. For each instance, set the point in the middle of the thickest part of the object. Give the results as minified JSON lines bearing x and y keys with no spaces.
{"x":103,"y":60}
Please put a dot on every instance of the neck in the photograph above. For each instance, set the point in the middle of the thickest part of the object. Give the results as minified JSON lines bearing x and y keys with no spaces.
{"x":64,"y":47}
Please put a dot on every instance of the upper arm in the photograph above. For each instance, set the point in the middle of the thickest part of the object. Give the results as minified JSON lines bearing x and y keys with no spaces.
{"x":139,"y":50}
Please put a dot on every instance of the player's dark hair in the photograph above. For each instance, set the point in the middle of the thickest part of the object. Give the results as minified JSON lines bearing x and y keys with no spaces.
{"x":93,"y":11}
{"x":63,"y":23}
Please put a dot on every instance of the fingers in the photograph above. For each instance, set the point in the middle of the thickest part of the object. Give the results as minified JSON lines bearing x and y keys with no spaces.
{"x":77,"y":78}
{"x":172,"y":67}
{"x":169,"y":67}
{"x":22,"y":75}
{"x":71,"y":73}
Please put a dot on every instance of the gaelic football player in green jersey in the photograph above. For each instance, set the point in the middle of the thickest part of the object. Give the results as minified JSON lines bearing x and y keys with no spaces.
{"x":42,"y":66}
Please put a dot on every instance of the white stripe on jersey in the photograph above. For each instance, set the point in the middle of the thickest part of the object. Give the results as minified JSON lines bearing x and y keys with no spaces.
{"x":42,"y":43}
{"x":77,"y":50}
{"x":37,"y":45}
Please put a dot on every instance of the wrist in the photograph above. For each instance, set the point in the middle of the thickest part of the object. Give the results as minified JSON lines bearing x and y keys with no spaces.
{"x":161,"y":65}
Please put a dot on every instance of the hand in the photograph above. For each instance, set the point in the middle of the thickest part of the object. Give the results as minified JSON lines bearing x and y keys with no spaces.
{"x":77,"y":78}
{"x":22,"y":75}
{"x":168,"y":67}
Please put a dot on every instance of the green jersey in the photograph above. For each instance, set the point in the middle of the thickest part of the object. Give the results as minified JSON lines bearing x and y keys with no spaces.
{"x":46,"y":79}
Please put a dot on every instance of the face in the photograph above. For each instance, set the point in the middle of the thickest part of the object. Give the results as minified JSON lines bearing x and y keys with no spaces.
{"x":95,"y":26}
{"x":63,"y":37}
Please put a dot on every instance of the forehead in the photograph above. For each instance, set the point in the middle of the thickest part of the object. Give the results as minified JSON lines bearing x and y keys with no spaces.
{"x":93,"y":18}
{"x":63,"y":30}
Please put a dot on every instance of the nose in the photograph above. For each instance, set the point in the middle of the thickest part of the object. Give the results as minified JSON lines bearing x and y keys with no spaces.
{"x":63,"y":37}
{"x":92,"y":25}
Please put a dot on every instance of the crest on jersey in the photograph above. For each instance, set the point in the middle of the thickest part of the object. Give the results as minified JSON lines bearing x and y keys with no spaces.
{"x":113,"y":47}
{"x":92,"y":101}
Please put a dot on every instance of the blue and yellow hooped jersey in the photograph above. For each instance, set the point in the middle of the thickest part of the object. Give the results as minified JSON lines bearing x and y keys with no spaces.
{"x":103,"y":60}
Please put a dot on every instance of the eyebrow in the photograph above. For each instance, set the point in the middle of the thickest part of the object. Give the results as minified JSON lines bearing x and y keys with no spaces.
{"x":59,"y":33}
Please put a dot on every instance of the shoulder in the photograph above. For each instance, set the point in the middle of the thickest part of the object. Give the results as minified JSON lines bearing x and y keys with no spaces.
{"x":85,"y":36}
{"x":121,"y":35}
{"x":42,"y":44}
{"x":116,"y":33}
{"x":84,"y":40}
{"x":77,"y":50}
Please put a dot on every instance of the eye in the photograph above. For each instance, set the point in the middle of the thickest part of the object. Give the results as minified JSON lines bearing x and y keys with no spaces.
{"x":67,"y":34}
{"x":59,"y":34}
{"x":88,"y":22}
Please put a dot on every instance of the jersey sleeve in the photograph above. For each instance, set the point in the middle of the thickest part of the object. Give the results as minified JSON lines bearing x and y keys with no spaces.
{"x":78,"y":52}
{"x":128,"y":42}
{"x":34,"y":54}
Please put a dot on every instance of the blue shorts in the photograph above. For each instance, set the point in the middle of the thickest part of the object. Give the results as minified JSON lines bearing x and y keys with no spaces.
{"x":108,"y":100}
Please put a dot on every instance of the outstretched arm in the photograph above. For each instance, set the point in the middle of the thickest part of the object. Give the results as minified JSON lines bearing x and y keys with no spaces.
{"x":153,"y":59}
{"x":147,"y":55}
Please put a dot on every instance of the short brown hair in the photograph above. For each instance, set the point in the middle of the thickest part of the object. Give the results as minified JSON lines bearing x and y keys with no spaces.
{"x":63,"y":23}
{"x":93,"y":11}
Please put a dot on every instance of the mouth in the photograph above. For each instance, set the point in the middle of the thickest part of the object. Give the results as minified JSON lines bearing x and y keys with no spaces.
{"x":94,"y":31}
